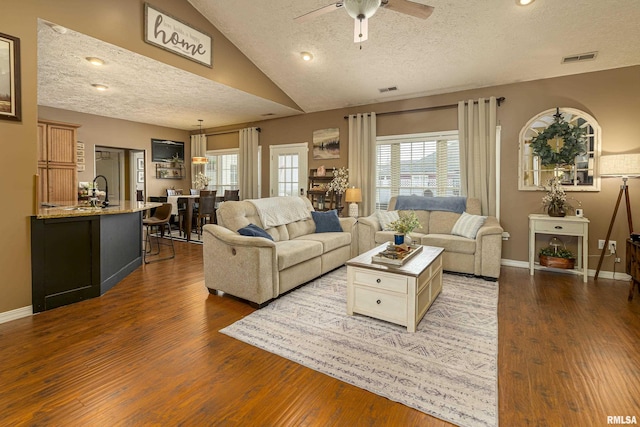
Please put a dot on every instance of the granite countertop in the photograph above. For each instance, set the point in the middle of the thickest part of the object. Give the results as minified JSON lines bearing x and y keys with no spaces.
{"x":74,"y":209}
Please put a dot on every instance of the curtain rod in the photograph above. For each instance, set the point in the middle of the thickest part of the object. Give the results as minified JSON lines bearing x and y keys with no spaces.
{"x":437,"y":107}
{"x":224,"y":132}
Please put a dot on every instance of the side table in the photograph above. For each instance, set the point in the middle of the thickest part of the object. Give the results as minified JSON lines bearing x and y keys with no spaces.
{"x":560,"y":226}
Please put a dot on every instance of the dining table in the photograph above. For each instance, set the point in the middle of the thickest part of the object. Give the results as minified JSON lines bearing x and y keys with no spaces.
{"x":188,"y":215}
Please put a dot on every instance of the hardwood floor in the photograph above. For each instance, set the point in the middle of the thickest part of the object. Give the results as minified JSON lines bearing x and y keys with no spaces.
{"x":148,"y":352}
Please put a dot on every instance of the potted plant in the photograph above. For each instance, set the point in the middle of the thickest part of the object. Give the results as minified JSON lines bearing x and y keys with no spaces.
{"x":404,"y":225}
{"x":556,"y":257}
{"x":555,"y":201}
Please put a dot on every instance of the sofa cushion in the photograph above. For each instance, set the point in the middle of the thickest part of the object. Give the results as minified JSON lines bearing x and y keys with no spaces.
{"x":330,"y":241}
{"x":255,"y":231}
{"x":292,"y":252}
{"x":386,"y":217}
{"x":442,"y":222}
{"x":326,"y":222}
{"x":468,"y":225}
{"x":450,"y":243}
{"x":300,"y":228}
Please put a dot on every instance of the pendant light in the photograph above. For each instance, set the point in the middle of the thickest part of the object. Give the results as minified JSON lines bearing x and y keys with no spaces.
{"x":199,"y":160}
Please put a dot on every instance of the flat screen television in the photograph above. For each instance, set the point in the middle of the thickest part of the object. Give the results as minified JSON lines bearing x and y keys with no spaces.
{"x":163,"y":150}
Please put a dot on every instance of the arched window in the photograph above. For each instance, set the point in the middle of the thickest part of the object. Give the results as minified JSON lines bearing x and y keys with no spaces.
{"x":579,"y":175}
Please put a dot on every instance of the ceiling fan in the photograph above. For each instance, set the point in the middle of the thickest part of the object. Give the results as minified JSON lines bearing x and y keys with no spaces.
{"x":362,"y":10}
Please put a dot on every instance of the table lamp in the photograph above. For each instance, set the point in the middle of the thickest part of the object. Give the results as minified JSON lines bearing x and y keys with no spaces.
{"x":353,"y":196}
{"x":621,"y":166}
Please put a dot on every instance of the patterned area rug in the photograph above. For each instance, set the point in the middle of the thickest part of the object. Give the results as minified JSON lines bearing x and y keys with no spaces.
{"x":447,"y":368}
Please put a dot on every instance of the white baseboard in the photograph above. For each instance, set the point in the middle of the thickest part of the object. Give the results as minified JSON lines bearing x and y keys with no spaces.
{"x":18,"y":313}
{"x":591,"y":273}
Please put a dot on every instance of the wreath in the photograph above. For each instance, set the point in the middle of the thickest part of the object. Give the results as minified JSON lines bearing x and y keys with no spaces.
{"x":573,"y":137}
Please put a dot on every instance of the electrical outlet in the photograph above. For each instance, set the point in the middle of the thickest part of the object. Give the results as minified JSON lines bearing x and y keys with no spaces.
{"x":617,"y":260}
{"x":612,"y":246}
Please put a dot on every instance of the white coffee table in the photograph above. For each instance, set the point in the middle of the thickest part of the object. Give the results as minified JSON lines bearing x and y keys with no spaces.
{"x":397,"y":294}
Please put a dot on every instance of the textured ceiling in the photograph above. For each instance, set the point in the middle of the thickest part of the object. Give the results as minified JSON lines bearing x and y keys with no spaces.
{"x":140,"y":89}
{"x":463,"y":45}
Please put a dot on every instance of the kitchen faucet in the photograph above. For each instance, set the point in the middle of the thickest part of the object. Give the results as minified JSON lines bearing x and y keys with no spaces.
{"x":106,"y":190}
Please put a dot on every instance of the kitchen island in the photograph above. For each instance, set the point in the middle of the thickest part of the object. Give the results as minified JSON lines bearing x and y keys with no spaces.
{"x":80,"y":252}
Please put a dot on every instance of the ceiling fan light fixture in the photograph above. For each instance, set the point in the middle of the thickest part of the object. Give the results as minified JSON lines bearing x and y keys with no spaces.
{"x":306,"y":56}
{"x":524,"y":2}
{"x":361,"y":9}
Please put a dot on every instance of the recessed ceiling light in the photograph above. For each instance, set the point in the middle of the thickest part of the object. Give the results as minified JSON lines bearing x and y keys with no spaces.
{"x":94,"y":60}
{"x":524,"y":2}
{"x":100,"y":87}
{"x":306,"y":56}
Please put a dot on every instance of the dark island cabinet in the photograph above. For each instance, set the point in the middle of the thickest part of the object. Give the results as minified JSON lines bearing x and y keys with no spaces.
{"x":77,"y":258}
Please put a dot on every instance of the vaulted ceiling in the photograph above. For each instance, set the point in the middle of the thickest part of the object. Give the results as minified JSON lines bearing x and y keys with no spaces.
{"x":463,"y":45}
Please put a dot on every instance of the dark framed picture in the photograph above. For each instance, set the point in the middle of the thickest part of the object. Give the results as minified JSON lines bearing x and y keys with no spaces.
{"x":10,"y":105}
{"x":140,"y":176}
{"x":140,"y":164}
{"x":164,"y":150}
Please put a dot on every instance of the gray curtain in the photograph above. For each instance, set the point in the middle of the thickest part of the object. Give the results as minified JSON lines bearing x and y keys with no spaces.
{"x":477,"y":132}
{"x":362,"y":159}
{"x":248,"y":163}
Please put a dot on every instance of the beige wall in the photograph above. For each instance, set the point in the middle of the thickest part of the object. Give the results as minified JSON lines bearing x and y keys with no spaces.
{"x":610,"y":96}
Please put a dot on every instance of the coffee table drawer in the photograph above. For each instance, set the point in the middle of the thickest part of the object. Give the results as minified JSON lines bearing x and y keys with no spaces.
{"x":391,"y":282}
{"x":381,"y":305}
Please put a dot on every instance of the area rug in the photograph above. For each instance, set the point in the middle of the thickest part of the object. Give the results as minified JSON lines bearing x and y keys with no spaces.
{"x":447,"y":368}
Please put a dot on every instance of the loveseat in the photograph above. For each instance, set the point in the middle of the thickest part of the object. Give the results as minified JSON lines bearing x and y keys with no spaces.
{"x":479,"y":255}
{"x":258,"y":269}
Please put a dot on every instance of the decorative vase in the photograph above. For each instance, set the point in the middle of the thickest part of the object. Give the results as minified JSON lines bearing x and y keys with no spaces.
{"x":556,"y":211}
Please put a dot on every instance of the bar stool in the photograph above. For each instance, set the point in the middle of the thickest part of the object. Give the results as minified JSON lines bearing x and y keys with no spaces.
{"x":160,"y":220}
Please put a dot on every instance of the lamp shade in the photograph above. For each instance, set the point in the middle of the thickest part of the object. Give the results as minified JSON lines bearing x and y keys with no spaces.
{"x":199,"y":160}
{"x":353,"y":195}
{"x":620,"y":165}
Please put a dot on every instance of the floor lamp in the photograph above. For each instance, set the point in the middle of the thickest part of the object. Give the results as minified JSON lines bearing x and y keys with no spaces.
{"x":623,"y":166}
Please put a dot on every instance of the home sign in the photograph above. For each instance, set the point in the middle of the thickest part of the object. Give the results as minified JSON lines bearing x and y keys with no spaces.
{"x":166,"y":32}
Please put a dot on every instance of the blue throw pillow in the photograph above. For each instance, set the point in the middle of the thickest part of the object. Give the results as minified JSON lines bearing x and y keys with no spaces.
{"x":254,"y":231}
{"x":326,"y":222}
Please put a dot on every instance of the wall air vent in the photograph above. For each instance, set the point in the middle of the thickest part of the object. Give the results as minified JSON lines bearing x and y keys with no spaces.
{"x":388,"y":89}
{"x":267,"y":114}
{"x":580,"y":57}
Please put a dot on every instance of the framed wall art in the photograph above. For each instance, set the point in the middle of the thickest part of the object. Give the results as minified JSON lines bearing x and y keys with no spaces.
{"x":10,"y":103}
{"x":326,"y":143}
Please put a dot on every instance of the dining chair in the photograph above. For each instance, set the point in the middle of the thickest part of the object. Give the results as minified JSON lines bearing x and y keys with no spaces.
{"x":139,"y":196}
{"x":171,"y":192}
{"x":182,"y":203}
{"x":231,"y":195}
{"x":206,"y":210}
{"x":194,"y":191}
{"x":159,"y":220}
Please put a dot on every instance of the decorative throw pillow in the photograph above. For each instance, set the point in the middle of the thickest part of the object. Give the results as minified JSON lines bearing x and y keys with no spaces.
{"x":253,"y":230}
{"x":468,"y":225}
{"x":326,"y":222}
{"x":386,"y":217}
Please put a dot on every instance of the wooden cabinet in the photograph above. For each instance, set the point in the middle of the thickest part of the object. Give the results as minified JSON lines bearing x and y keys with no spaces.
{"x":317,"y":193}
{"x":57,"y":169}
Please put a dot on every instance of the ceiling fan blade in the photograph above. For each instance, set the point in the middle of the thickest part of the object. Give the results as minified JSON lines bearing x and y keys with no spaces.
{"x":318,"y":12}
{"x":407,"y":7}
{"x":360,"y":30}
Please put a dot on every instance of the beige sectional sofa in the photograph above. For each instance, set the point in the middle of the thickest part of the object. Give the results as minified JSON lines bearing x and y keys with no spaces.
{"x":257,"y":269}
{"x":480,"y":256}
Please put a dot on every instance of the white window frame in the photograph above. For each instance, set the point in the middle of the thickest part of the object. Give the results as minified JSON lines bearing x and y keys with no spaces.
{"x":395,"y":185}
